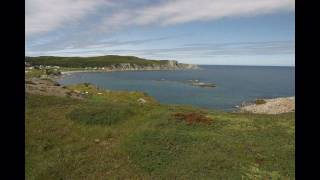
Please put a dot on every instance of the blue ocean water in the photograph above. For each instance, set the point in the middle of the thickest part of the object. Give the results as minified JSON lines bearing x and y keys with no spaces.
{"x":234,"y":84}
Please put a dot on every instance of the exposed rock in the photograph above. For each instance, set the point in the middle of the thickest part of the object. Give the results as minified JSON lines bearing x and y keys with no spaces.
{"x":49,"y":88}
{"x":141,"y":101}
{"x":202,"y":84}
{"x":196,"y":82}
{"x":272,"y":106}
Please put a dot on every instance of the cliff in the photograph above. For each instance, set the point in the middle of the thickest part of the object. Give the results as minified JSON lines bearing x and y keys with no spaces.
{"x":171,"y":65}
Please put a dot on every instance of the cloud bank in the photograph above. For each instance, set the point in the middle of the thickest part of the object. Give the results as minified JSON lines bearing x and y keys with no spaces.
{"x":45,"y":16}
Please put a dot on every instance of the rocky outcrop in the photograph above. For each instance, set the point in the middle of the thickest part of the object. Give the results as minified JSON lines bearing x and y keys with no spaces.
{"x":271,"y":106}
{"x":49,"y":87}
{"x":171,"y":65}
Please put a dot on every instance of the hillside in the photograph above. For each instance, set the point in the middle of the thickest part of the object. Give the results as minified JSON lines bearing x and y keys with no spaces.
{"x":97,"y":61}
{"x":81,"y":132}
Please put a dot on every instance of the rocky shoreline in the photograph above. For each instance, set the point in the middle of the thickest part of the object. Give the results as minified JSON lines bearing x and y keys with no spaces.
{"x":271,"y":106}
{"x":172,"y":65}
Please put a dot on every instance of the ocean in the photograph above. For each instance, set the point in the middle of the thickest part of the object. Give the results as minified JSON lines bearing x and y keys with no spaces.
{"x":234,"y":84}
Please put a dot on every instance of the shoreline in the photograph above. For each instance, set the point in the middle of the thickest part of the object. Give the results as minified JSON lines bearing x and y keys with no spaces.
{"x":271,"y":106}
{"x":79,"y":71}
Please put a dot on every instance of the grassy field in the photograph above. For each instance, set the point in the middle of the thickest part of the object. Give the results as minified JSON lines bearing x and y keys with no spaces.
{"x":110,"y":135}
{"x":82,"y":62}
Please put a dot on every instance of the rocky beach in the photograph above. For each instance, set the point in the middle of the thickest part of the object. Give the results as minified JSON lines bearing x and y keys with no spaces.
{"x":271,"y":106}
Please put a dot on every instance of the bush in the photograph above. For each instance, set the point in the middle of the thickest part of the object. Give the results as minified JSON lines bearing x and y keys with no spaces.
{"x":260,"y":101}
{"x":86,"y":84}
{"x":54,"y":72}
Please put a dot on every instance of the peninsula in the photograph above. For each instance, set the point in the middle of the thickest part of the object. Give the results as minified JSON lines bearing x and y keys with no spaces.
{"x":105,"y":63}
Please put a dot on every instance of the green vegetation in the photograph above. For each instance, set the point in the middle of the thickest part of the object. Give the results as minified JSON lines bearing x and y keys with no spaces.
{"x":54,"y":72}
{"x":82,"y":62}
{"x":102,"y":114}
{"x":34,"y":73}
{"x":109,"y":135}
{"x":260,"y":101}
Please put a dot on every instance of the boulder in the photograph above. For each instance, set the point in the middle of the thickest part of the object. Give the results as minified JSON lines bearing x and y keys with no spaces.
{"x":141,"y":101}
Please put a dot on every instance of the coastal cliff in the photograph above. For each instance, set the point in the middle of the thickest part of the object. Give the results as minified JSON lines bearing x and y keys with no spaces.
{"x":106,"y":63}
{"x":171,"y":65}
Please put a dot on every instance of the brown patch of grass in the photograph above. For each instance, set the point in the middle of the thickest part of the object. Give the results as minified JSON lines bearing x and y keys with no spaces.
{"x":192,"y":118}
{"x":259,"y":161}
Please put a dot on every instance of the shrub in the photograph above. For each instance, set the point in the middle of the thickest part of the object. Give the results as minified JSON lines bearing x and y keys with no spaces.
{"x":86,"y":84}
{"x":260,"y":101}
{"x":54,"y":72}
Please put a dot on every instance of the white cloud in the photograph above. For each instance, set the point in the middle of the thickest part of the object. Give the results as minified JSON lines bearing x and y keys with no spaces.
{"x":46,"y":15}
{"x":182,"y":11}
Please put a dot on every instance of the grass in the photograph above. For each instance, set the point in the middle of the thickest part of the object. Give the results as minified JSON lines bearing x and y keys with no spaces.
{"x":101,"y":113}
{"x":34,"y":73}
{"x":111,"y":136}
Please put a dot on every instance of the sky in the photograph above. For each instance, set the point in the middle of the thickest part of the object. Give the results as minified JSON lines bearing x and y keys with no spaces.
{"x":217,"y":32}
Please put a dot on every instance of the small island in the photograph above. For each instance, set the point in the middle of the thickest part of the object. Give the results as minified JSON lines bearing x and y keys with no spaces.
{"x":201,"y":84}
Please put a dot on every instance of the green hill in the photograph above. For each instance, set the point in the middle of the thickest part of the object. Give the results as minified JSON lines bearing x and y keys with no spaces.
{"x":97,"y":61}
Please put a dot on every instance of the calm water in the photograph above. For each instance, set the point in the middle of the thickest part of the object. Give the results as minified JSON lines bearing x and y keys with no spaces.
{"x":235,"y":84}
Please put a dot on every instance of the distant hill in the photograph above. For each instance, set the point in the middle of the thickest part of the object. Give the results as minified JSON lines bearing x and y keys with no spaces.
{"x":97,"y":61}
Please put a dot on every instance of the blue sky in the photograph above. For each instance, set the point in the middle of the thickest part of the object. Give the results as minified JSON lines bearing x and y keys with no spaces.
{"x":223,"y":32}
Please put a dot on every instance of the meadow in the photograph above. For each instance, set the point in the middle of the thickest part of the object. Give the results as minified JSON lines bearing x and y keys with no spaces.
{"x":112,"y":135}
